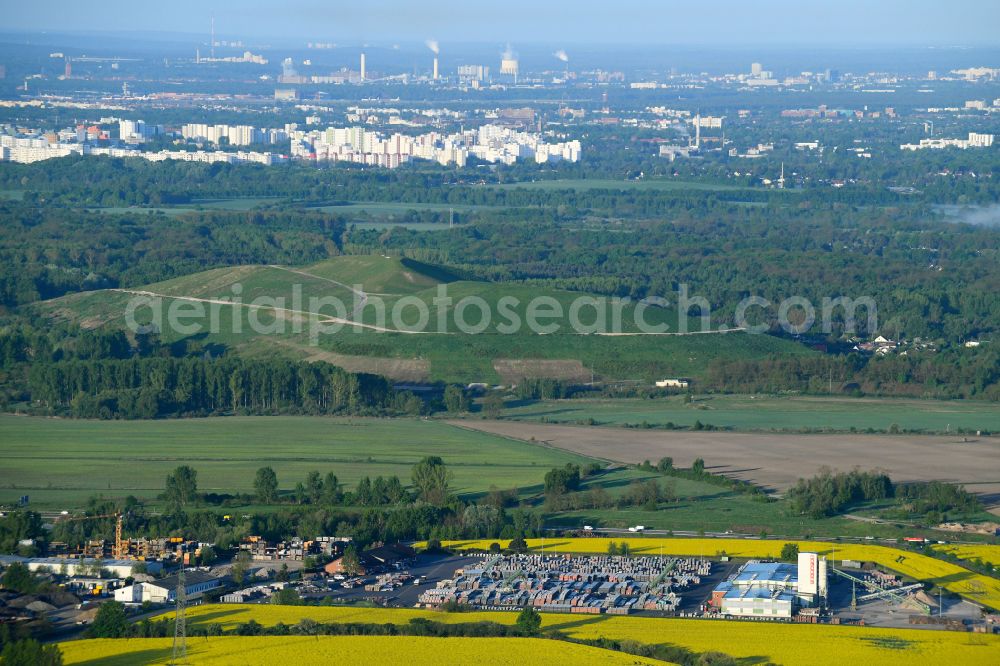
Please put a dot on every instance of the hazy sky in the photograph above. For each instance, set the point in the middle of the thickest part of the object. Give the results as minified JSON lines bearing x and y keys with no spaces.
{"x":722,"y":22}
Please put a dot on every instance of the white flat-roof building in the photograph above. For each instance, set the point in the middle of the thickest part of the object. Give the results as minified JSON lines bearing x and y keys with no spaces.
{"x":773,"y":589}
{"x":70,"y":566}
{"x":164,"y":590}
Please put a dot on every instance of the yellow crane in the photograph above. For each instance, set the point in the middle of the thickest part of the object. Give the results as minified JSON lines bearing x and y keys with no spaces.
{"x":119,"y":550}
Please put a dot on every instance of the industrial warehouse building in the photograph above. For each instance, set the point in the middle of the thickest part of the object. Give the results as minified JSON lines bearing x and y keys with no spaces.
{"x":72,"y":566}
{"x":773,"y":589}
{"x":165,"y":590}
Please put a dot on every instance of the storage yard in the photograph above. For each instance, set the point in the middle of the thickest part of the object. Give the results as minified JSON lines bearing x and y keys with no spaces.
{"x":561,"y":583}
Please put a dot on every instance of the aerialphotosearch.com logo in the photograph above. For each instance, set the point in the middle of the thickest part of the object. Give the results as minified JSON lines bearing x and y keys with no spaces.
{"x":472,"y":315}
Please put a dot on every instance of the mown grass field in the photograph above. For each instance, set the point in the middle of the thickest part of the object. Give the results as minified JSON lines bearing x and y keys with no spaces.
{"x":772,"y":413}
{"x":413,"y":650}
{"x":977,"y":587}
{"x":60,"y":463}
{"x":751,"y":642}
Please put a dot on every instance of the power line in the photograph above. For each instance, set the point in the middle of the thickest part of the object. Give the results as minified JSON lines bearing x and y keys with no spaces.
{"x":180,"y":621}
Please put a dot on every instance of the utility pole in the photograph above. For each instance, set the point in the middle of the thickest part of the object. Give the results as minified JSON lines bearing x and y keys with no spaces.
{"x":180,"y":621}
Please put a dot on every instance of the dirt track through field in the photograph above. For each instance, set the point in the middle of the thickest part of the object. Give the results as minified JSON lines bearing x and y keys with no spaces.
{"x":283,"y":312}
{"x":777,"y":461}
{"x":362,"y":296}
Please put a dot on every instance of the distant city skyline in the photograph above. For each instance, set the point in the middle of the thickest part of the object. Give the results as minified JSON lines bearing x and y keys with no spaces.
{"x":722,"y":23}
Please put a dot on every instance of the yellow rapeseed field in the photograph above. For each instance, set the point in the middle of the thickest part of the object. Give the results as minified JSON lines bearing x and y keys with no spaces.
{"x":977,"y":587}
{"x":754,"y":641}
{"x":982,"y":553}
{"x":409,"y":650}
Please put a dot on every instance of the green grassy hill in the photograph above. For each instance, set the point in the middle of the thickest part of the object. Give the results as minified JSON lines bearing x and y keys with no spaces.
{"x":383,"y":275}
{"x":502,"y":349}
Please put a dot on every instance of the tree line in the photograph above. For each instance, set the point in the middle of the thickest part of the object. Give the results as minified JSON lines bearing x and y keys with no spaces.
{"x":829,"y":493}
{"x":154,"y":387}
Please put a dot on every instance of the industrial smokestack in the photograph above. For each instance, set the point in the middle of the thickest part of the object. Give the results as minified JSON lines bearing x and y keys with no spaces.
{"x":435,"y":48}
{"x":362,"y":65}
{"x":509,"y":64}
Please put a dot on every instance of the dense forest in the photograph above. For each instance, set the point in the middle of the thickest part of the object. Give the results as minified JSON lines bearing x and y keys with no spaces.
{"x":147,"y":388}
{"x":950,"y":373}
{"x":928,"y":280}
{"x":106,"y":374}
{"x":46,"y":251}
{"x":115,"y":182}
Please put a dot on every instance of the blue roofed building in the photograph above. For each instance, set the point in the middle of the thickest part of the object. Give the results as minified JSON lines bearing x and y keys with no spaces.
{"x":772,"y":589}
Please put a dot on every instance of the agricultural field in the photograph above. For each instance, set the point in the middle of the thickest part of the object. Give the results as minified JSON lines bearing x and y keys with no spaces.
{"x":771,"y":413}
{"x":414,"y":650}
{"x":60,"y":463}
{"x":751,"y":642}
{"x":981,"y":589}
{"x":491,"y":352}
{"x":227,"y":451}
{"x":778,"y":461}
{"x":982,"y":553}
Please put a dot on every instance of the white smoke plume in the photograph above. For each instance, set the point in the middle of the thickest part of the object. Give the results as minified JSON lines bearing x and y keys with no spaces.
{"x":561,"y":55}
{"x":433,"y":45}
{"x":982,"y":216}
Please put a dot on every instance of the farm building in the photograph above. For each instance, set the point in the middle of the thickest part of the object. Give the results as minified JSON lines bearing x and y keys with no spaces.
{"x":673,"y":382}
{"x":164,"y":590}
